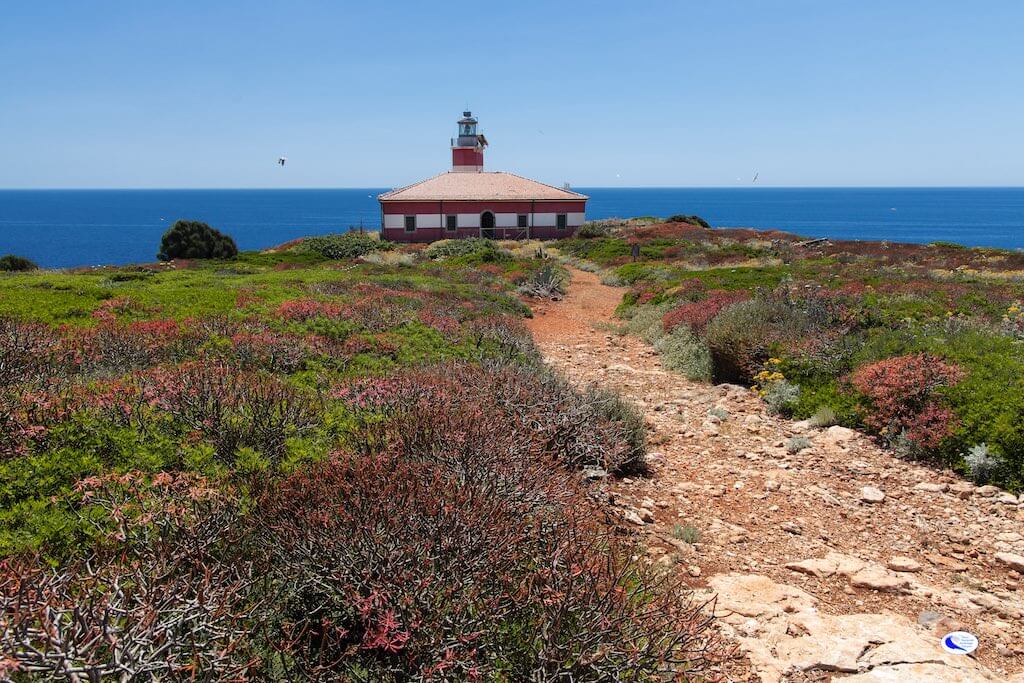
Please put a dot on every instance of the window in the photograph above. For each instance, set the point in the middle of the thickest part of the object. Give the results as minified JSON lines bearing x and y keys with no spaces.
{"x":562,"y":221}
{"x":410,"y":223}
{"x":521,"y":220}
{"x":451,"y":222}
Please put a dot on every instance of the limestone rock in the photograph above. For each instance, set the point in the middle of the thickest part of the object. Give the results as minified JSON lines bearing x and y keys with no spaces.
{"x":782,"y":632}
{"x":903,"y":564}
{"x":870,"y":494}
{"x":837,"y":436}
{"x":962,"y":489}
{"x":1012,"y":560}
{"x":632,"y":517}
{"x":876,"y":578}
{"x":831,"y":564}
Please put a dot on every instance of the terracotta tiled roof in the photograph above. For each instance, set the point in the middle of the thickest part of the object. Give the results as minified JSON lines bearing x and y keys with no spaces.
{"x":480,"y":186}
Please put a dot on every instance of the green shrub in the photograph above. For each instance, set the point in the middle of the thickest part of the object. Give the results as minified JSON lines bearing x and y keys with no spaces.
{"x":11,"y":264}
{"x":781,"y":396}
{"x":719,"y":412}
{"x":345,"y":246}
{"x":981,"y":463}
{"x":740,"y":338}
{"x":795,"y":444}
{"x":684,"y":218}
{"x":593,"y":230}
{"x":824,"y":416}
{"x":610,"y":278}
{"x":612,"y":408}
{"x":195,"y":240}
{"x":470,"y":246}
{"x":645,"y":322}
{"x":681,"y":351}
{"x":547,"y":282}
{"x":686,"y":533}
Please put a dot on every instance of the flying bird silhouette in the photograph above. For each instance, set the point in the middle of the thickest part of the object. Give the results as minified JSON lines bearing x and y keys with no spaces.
{"x":281,"y":160}
{"x":755,"y":177}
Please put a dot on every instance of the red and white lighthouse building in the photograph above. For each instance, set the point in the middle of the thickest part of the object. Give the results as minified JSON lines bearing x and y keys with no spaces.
{"x":468,"y":201}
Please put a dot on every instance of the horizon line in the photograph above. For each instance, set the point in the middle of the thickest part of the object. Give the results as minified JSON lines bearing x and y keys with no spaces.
{"x":581,"y":186}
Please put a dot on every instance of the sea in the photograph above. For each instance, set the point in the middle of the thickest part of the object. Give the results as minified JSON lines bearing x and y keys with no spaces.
{"x":68,"y":228}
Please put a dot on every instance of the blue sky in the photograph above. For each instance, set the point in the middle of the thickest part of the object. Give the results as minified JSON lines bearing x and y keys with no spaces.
{"x":805,"y":93}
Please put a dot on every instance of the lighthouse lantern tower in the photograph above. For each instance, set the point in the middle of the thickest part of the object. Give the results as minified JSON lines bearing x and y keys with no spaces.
{"x":468,"y":147}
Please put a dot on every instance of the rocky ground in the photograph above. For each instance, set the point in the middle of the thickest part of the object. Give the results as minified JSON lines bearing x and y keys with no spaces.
{"x":833,"y":562}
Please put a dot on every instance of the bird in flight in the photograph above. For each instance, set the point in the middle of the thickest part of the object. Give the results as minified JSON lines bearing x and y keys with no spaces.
{"x":755,"y":177}
{"x":281,"y":160}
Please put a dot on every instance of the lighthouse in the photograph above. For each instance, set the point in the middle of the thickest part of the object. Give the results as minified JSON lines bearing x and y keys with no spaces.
{"x":468,"y":147}
{"x":468,"y":201}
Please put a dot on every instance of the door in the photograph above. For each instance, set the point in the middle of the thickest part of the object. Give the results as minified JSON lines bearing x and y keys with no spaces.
{"x":487,"y":225}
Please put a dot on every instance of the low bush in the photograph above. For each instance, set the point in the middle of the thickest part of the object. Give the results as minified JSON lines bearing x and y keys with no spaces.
{"x":27,"y":351}
{"x":348,"y":245}
{"x":195,"y":240}
{"x":795,"y":444}
{"x":14,"y":264}
{"x":741,"y":337}
{"x":162,"y":597}
{"x":684,"y":218}
{"x":646,"y":322}
{"x":502,"y":410}
{"x":546,"y":282}
{"x":682,"y":351}
{"x":902,"y":394}
{"x":232,"y":408}
{"x":982,"y":465}
{"x":383,"y":564}
{"x":611,"y":278}
{"x":686,"y":533}
{"x":470,"y":246}
{"x":823,"y":417}
{"x":780,"y":397}
{"x":696,"y":315}
{"x":593,"y":230}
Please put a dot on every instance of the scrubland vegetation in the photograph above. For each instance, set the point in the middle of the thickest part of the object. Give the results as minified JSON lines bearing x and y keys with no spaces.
{"x":291,"y":467}
{"x":922,"y":345}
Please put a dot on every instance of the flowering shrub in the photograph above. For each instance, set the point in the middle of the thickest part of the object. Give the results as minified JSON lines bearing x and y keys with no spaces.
{"x":116,"y":347}
{"x":1013,"y":321}
{"x":447,"y":325}
{"x":698,"y":314}
{"x":27,"y":350}
{"x":901,"y":391}
{"x":778,"y":393}
{"x":394,"y":566}
{"x":501,"y":410}
{"x":164,"y":599}
{"x":308,"y":309}
{"x":502,"y":337}
{"x":271,"y":350}
{"x":742,"y":336}
{"x":232,"y":408}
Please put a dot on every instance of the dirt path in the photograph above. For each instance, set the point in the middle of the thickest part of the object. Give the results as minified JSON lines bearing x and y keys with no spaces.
{"x":838,"y":562}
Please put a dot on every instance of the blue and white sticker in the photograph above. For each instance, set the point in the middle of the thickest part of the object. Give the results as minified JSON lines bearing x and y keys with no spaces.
{"x":960,"y":643}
